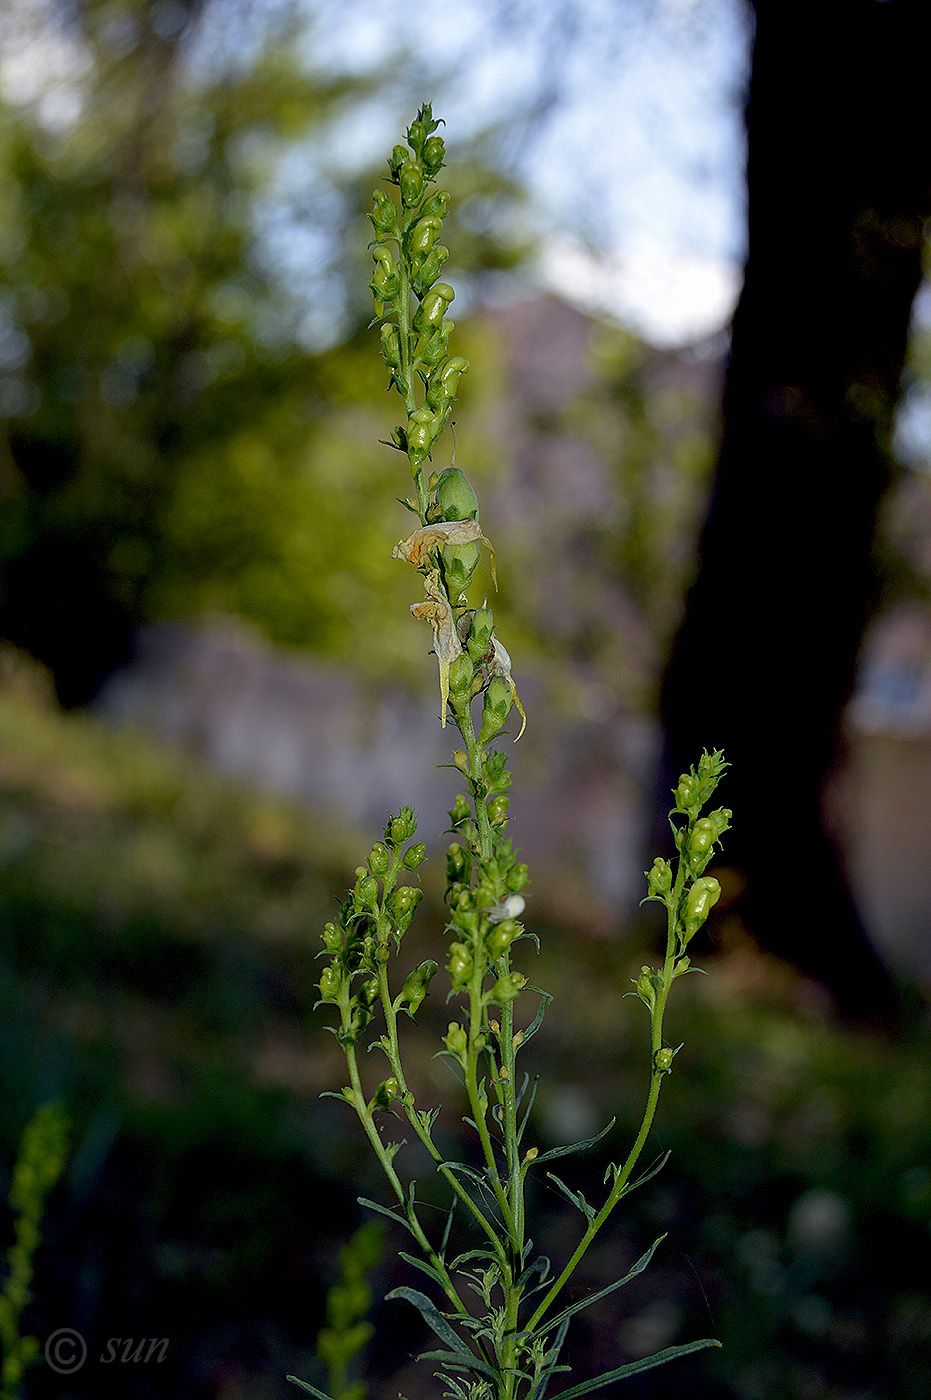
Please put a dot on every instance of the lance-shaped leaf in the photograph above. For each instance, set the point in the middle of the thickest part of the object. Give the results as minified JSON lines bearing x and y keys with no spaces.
{"x":416,"y":549}
{"x":436,"y":610}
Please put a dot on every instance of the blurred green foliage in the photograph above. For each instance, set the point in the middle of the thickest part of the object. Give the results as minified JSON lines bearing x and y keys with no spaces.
{"x":169,"y":444}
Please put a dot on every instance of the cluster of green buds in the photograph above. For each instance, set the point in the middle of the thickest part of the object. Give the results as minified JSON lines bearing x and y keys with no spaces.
{"x":377,"y":908}
{"x":687,"y":892}
{"x":410,"y":301}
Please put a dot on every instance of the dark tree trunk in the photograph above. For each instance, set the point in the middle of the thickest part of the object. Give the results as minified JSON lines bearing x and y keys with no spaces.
{"x":839,"y":186}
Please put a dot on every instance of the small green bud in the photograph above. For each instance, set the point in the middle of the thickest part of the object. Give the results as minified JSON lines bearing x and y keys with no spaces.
{"x":461,"y":760}
{"x":497,"y":707}
{"x":368,"y":992}
{"x":418,"y":985}
{"x":461,"y":671}
{"x":390,"y":346}
{"x":432,"y":309}
{"x":384,"y":215}
{"x":460,"y":811}
{"x":456,"y":1040}
{"x":455,"y":497}
{"x":501,"y":937}
{"x":400,"y":155}
{"x":458,"y":864}
{"x":410,"y":178}
{"x":687,"y":792}
{"x":659,"y":878}
{"x":330,"y":983}
{"x":498,"y":809}
{"x":402,"y":827}
{"x":433,"y":154}
{"x":414,"y":856}
{"x":702,"y":897}
{"x":365,"y":893}
{"x":379,"y":859}
{"x":517,"y":877}
{"x":332,"y":938}
{"x":644,"y":987}
{"x":459,"y":564}
{"x":663,"y":1059}
{"x":438,"y":203}
{"x":459,"y":966}
{"x":507,"y":988}
{"x":386,"y":1092}
{"x":429,"y":269}
{"x":480,"y":630}
{"x":423,"y":234}
{"x":401,"y":905}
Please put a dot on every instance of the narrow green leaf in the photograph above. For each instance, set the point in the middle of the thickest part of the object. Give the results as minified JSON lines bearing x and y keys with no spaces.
{"x":573,"y":1308}
{"x":430,"y":1314}
{"x":312,"y":1389}
{"x":394,"y":1215}
{"x":555,"y":1152}
{"x":648,"y":1175}
{"x":423,"y":1266}
{"x":576,"y":1197}
{"x":461,"y":1361}
{"x":635,"y":1367}
{"x":530,"y":1102}
{"x":537,"y":1021}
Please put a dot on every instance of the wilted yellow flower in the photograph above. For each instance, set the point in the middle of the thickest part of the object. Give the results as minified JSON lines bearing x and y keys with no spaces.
{"x":436,"y":610}
{"x":418,"y":546}
{"x":500,"y":665}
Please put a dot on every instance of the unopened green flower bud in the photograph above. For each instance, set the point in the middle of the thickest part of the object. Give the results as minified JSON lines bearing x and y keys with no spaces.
{"x":384,"y":215}
{"x":423,"y":234}
{"x":432,"y":309}
{"x":379,"y":859}
{"x":663,"y":1059}
{"x":455,"y":497}
{"x":386,"y":1092}
{"x":659,"y":878}
{"x":458,"y":864}
{"x":702,"y":897}
{"x":498,"y":809}
{"x":418,"y":985}
{"x":459,"y":966}
{"x":332,"y":938}
{"x":400,"y":155}
{"x":497,"y":707}
{"x":687,"y":792}
{"x":390,"y":346}
{"x":461,"y":671}
{"x":410,"y":178}
{"x":365,"y":893}
{"x":461,"y":760}
{"x":460,"y":810}
{"x":517,"y":877}
{"x":507,"y":988}
{"x":480,"y":630}
{"x":402,"y":827}
{"x":456,"y":1040}
{"x":459,"y":564}
{"x":438,"y":203}
{"x":644,"y":987}
{"x":433,"y":154}
{"x":368,"y":992}
{"x":330,"y":982}
{"x":414,"y":856}
{"x":401,"y":905}
{"x":429,"y":269}
{"x":501,"y":936}
{"x":701,"y":842}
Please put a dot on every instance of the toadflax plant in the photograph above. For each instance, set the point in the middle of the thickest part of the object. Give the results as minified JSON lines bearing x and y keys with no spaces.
{"x":499,"y":1310}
